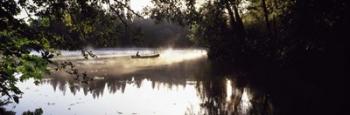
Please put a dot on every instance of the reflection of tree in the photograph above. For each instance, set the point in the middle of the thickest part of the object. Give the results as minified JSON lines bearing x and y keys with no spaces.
{"x":168,"y":76}
{"x":37,"y":111}
{"x":212,"y":89}
{"x":3,"y":111}
{"x":213,"y":92}
{"x":213,"y":97}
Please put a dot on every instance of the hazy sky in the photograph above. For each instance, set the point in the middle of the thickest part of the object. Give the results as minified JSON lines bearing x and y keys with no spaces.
{"x":138,"y":5}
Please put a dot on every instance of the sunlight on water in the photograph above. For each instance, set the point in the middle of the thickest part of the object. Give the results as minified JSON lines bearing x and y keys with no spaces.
{"x":229,"y":90}
{"x":245,"y":101}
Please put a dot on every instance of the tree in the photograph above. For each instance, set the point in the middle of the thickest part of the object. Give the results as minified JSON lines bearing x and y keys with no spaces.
{"x":17,"y":42}
{"x":61,"y":22}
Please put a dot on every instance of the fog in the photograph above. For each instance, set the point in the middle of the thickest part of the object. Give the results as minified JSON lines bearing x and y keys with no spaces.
{"x":118,"y":62}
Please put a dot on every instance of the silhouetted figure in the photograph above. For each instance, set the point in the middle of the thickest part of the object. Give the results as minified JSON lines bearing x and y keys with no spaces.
{"x":137,"y":54}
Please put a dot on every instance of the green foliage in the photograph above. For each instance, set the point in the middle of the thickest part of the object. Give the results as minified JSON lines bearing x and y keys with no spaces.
{"x":63,"y":24}
{"x":17,"y":42}
{"x":16,"y":62}
{"x":83,"y":24}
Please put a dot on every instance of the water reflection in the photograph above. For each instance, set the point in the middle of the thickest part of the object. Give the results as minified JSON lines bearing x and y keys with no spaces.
{"x":184,"y":86}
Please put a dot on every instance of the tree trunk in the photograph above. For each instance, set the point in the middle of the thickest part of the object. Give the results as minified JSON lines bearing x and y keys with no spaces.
{"x":230,"y":13}
{"x":239,"y":24}
{"x":266,"y":16}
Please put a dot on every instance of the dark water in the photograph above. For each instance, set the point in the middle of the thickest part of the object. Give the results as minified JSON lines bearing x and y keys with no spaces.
{"x":178,"y":82}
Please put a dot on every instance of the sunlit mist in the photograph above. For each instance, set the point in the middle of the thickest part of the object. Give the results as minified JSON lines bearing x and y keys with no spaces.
{"x":172,"y":56}
{"x":119,"y":61}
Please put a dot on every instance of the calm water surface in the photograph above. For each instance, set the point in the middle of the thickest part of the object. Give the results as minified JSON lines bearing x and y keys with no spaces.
{"x":176,"y":83}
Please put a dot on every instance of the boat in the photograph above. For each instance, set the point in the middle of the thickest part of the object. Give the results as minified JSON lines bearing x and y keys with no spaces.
{"x":146,"y":56}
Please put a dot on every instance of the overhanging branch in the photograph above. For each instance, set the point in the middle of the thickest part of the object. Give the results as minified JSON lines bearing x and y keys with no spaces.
{"x":128,"y":8}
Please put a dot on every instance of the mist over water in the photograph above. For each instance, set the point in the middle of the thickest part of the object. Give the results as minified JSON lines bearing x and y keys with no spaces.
{"x":114,"y":62}
{"x":175,"y":83}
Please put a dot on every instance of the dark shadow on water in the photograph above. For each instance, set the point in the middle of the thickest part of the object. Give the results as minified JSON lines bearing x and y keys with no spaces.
{"x":313,"y":86}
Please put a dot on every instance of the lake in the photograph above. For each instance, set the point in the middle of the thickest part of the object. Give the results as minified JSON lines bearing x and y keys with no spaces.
{"x":179,"y":81}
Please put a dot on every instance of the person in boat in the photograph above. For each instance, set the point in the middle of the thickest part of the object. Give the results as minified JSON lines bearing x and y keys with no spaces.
{"x":137,"y":54}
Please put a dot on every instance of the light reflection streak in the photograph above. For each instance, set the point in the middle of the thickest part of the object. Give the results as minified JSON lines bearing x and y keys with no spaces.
{"x":229,"y":90}
{"x":245,"y":101}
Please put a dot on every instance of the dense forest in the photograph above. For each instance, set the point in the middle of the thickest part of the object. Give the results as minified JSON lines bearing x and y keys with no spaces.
{"x":278,"y":42}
